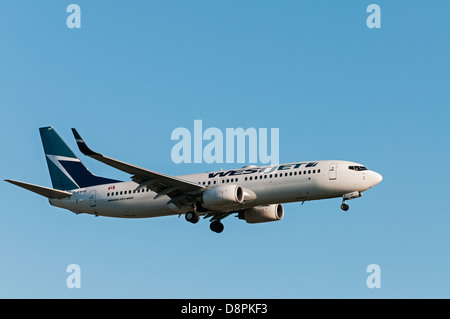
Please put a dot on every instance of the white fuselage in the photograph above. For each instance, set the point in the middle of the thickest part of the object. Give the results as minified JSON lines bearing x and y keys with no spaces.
{"x":292,"y":182}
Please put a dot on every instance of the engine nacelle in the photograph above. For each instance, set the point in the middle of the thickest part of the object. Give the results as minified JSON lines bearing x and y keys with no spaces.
{"x":262,"y":214}
{"x":225,"y":196}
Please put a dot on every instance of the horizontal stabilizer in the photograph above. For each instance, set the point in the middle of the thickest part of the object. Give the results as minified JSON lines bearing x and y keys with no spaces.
{"x":41,"y":190}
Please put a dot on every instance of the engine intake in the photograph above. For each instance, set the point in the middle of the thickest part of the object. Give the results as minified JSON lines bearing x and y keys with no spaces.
{"x":225,"y":196}
{"x":262,"y":214}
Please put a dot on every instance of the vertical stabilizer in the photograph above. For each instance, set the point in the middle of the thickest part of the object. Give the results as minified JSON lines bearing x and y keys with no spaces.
{"x":66,"y":170}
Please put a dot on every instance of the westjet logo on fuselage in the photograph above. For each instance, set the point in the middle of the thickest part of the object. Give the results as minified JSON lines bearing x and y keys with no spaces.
{"x":262,"y":170}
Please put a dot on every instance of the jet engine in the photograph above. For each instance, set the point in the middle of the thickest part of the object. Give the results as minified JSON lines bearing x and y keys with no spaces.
{"x":223,"y":197}
{"x":262,"y":214}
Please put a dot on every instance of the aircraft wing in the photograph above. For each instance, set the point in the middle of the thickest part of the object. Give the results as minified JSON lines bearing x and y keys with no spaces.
{"x":160,"y":183}
{"x":41,"y":190}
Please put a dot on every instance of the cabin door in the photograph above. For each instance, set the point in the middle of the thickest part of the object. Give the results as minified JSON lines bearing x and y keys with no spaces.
{"x":332,"y":172}
{"x":92,"y":198}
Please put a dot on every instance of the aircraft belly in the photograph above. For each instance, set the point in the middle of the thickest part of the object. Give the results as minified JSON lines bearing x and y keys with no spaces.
{"x":290,"y":192}
{"x":137,"y":208}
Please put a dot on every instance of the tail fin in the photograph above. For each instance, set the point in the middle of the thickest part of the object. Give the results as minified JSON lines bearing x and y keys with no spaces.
{"x":66,"y":170}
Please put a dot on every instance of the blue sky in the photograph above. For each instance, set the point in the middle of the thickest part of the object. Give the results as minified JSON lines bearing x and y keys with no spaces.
{"x":136,"y":71}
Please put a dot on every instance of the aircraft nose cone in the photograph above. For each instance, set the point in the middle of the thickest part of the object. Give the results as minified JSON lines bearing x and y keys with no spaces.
{"x":375,"y":178}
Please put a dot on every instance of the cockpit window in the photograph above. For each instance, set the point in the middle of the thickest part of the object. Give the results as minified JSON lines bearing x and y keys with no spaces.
{"x":357,"y":168}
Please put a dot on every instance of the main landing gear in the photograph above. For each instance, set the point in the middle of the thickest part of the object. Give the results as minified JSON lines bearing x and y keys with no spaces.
{"x":192,"y":217}
{"x":216,"y":225}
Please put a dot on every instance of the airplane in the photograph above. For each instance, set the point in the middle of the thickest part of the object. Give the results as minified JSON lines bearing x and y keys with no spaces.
{"x":254,"y":193}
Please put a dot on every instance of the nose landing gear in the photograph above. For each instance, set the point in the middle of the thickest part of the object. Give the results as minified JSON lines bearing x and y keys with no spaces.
{"x":344,"y":206}
{"x":345,"y":197}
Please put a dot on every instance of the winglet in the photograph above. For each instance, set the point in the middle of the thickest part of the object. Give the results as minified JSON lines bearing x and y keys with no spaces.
{"x":82,"y":144}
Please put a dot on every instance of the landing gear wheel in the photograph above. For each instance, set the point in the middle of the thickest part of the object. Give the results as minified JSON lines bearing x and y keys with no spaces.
{"x":192,"y":217}
{"x":196,"y":219}
{"x":344,"y":207}
{"x":216,"y":227}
